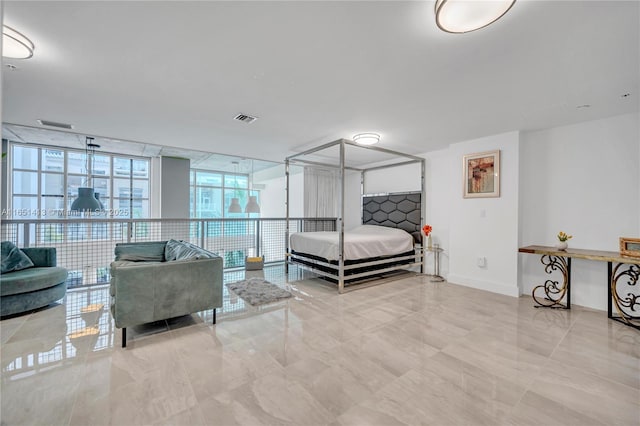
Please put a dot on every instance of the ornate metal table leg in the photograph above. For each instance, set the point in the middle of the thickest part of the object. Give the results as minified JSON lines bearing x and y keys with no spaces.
{"x":550,"y":294}
{"x":626,"y":302}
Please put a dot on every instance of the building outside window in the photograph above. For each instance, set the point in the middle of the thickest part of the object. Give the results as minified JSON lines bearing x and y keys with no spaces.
{"x":211,"y":193}
{"x":45,"y":182}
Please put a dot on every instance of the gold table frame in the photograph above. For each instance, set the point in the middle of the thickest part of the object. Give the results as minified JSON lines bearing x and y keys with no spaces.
{"x":623,"y":281}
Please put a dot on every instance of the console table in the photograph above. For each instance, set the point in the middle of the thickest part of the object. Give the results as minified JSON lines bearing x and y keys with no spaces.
{"x":623,"y":281}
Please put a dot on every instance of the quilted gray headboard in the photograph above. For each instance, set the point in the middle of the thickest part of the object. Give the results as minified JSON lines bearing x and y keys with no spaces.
{"x":394,"y":210}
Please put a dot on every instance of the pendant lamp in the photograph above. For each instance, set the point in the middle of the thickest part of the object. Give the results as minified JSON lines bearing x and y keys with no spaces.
{"x":97,"y":195}
{"x":235,"y":206}
{"x":86,"y":201}
{"x":252,"y":206}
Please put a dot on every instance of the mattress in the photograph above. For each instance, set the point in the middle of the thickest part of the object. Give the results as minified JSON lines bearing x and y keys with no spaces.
{"x":365,"y":241}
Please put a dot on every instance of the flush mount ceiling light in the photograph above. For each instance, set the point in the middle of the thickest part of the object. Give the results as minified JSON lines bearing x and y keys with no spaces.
{"x":366,"y":138}
{"x":463,"y":16}
{"x":15,"y":45}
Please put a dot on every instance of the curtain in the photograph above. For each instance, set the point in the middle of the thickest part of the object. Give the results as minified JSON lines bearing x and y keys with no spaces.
{"x":320,"y":192}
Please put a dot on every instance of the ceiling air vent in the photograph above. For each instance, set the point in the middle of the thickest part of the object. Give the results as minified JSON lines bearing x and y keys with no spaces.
{"x":56,"y":124}
{"x":245,"y":118}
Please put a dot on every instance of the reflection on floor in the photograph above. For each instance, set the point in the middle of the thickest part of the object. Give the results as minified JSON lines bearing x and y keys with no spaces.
{"x":405,"y":352}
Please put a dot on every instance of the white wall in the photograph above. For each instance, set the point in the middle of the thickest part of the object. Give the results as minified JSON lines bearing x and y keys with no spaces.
{"x":272,"y":197}
{"x":466,"y":228}
{"x":439,"y":192}
{"x":352,"y":200}
{"x":582,"y":179}
{"x":396,"y":179}
{"x":485,"y":227}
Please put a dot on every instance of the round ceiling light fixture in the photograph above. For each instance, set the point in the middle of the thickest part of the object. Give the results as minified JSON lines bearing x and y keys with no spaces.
{"x":15,"y":45}
{"x":366,"y":138}
{"x":463,"y":16}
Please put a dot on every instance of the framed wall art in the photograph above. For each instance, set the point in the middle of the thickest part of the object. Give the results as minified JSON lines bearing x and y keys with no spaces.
{"x":481,"y":175}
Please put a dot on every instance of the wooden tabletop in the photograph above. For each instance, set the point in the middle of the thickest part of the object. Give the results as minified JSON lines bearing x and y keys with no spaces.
{"x":603,"y":256}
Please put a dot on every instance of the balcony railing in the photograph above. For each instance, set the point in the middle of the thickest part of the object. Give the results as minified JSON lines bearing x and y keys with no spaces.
{"x":85,"y":247}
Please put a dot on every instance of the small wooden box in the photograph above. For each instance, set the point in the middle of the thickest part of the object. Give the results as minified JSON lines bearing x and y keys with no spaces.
{"x":630,"y":247}
{"x":253,"y":263}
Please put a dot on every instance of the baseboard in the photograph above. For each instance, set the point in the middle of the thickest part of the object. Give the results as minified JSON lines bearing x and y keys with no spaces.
{"x":507,"y":290}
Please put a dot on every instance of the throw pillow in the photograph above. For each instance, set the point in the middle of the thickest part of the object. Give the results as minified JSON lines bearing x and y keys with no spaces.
{"x":171,"y":249}
{"x":138,"y":257}
{"x":13,"y":259}
{"x":153,"y":251}
{"x":182,"y":250}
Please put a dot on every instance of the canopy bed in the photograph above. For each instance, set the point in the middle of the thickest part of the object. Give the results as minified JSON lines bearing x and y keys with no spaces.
{"x":388,"y":240}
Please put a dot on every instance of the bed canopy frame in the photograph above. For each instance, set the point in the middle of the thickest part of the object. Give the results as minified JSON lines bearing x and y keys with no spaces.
{"x":403,"y":160}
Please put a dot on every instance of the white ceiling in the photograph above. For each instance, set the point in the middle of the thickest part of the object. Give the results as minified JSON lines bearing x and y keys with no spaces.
{"x":176,"y":73}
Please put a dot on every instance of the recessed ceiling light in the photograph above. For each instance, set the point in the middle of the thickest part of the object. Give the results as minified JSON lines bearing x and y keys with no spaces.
{"x":366,"y":138}
{"x":463,"y":16}
{"x":15,"y":45}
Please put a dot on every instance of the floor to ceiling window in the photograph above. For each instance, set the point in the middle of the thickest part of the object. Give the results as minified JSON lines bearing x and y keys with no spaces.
{"x":45,"y":182}
{"x":212,"y":193}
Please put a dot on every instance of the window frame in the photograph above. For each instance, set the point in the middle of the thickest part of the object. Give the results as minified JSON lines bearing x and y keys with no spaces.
{"x":194,"y":185}
{"x":111,"y":212}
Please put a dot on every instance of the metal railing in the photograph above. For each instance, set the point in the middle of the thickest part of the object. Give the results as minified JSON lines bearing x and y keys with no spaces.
{"x":85,"y":247}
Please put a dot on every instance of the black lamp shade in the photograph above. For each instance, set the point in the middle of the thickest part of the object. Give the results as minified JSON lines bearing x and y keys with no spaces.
{"x":86,"y":201}
{"x":97,"y":195}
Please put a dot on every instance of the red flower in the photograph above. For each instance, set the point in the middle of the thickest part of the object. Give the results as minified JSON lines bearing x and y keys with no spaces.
{"x":427,"y":230}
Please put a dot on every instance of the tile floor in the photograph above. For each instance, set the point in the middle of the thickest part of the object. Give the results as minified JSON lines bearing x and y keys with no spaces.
{"x":405,"y":352}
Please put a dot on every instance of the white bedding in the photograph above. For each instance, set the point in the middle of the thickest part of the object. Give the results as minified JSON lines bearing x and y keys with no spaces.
{"x":362,"y":242}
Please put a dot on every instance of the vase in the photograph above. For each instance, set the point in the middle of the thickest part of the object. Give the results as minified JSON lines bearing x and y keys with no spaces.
{"x":429,"y":242}
{"x":562,"y":245}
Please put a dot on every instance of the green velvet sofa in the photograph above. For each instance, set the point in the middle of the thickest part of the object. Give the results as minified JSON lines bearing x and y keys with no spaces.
{"x":34,"y":287}
{"x":152,"y":281}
